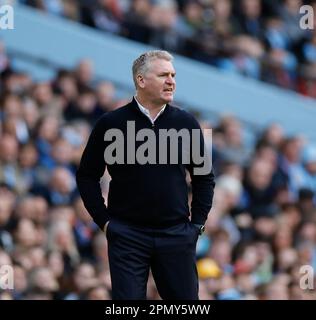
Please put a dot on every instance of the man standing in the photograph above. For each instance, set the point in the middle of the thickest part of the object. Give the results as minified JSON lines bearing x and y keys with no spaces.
{"x":147,"y":218}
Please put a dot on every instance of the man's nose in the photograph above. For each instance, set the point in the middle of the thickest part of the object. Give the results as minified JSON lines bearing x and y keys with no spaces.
{"x":171,"y":80}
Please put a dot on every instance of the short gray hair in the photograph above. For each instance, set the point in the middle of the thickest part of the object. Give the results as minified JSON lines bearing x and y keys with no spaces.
{"x":141,"y":64}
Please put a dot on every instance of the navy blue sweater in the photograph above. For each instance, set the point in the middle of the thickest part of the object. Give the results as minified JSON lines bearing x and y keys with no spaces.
{"x":153,"y":195}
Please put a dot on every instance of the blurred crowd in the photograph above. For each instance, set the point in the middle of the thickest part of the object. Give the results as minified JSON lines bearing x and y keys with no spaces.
{"x":261,"y":39}
{"x":260,"y":231}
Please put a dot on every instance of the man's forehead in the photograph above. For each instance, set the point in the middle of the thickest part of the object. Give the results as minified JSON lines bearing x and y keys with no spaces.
{"x":161,"y":65}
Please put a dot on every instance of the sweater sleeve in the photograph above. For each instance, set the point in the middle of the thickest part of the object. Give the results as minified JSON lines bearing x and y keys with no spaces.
{"x":202,"y":178}
{"x":89,"y":174}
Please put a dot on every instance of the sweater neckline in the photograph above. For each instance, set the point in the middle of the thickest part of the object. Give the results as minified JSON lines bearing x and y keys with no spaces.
{"x":135,"y":107}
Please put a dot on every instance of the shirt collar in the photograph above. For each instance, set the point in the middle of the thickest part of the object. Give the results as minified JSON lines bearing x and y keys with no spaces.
{"x":146,"y":111}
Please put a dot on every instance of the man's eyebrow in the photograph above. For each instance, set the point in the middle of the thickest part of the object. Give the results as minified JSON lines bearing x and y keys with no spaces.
{"x":167,"y":72}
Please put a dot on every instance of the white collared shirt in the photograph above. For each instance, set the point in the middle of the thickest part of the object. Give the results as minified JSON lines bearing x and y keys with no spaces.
{"x":146,"y":112}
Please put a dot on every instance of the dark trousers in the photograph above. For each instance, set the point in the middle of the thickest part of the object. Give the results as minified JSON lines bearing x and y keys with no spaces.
{"x":169,"y":252}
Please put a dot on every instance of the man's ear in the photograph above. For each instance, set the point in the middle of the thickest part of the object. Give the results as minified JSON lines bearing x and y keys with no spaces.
{"x":140,"y":81}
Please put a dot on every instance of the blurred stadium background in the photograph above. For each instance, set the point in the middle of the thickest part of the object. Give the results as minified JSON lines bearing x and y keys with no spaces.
{"x":245,"y":68}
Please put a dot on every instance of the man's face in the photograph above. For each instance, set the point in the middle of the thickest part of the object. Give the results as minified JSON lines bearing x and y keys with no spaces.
{"x":158,"y":84}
